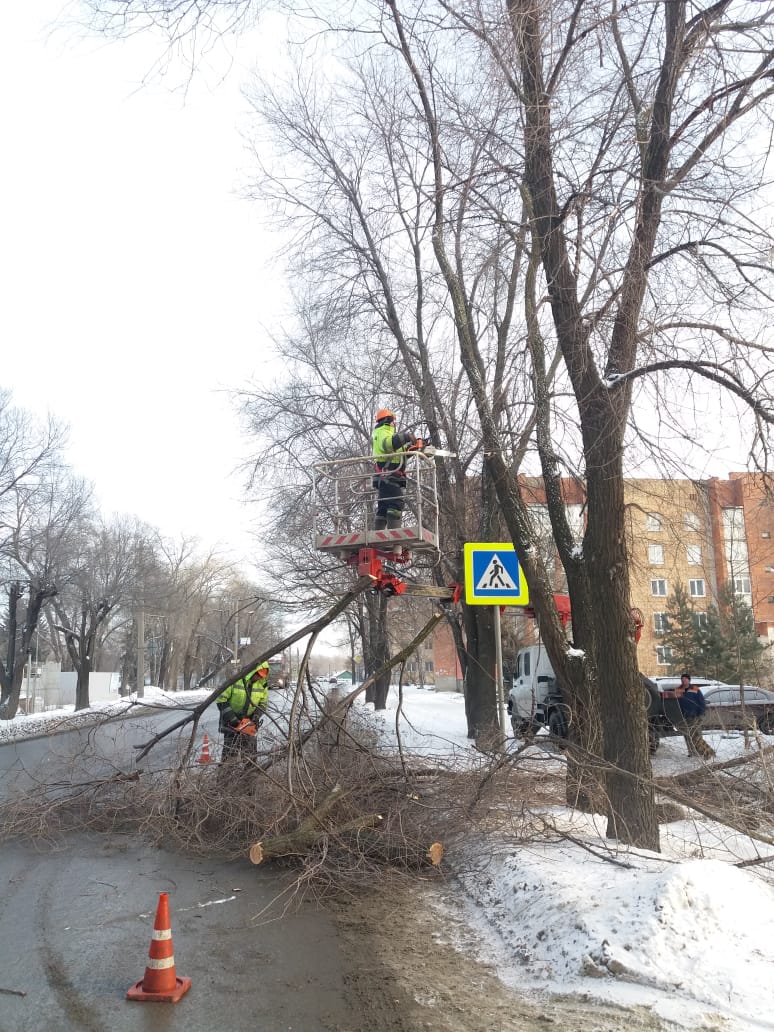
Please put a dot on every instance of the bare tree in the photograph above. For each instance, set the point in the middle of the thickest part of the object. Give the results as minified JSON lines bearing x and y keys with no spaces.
{"x":616,"y":194}
{"x":100,"y":577}
{"x":39,"y":502}
{"x":631,"y":137}
{"x":629,"y":118}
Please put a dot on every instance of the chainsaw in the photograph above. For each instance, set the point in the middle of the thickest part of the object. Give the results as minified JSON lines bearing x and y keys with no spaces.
{"x":430,"y":451}
{"x":246,"y":727}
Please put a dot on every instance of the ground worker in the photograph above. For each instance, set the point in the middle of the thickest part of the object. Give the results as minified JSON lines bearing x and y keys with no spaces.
{"x":693,"y":706}
{"x":389,"y":448}
{"x":242,"y":707}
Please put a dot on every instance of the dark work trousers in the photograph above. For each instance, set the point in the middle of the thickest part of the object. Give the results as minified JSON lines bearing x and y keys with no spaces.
{"x":392,"y":496}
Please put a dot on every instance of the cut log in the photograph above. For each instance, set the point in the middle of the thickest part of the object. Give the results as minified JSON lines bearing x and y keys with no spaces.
{"x":300,"y":841}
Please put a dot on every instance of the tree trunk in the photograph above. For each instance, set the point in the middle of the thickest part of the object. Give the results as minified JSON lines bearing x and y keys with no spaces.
{"x":82,"y":685}
{"x":376,"y":648}
{"x":12,"y":673}
{"x":480,"y":689}
{"x":631,"y":804}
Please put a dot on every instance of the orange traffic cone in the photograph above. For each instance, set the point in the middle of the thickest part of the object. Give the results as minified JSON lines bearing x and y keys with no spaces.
{"x":160,"y":982}
{"x":204,"y":755}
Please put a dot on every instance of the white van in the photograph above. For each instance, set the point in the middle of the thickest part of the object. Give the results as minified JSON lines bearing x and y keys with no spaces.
{"x":535,"y":700}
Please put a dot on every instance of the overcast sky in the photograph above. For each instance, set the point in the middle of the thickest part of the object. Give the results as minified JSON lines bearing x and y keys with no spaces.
{"x":137,"y":286}
{"x":135,"y":281}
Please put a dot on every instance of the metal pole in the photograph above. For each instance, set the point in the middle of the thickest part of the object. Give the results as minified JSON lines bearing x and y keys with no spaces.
{"x":236,"y":634}
{"x":29,"y":675}
{"x":141,"y":652}
{"x":499,"y":675}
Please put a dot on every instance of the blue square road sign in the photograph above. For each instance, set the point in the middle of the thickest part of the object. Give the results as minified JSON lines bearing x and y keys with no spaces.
{"x":493,"y":575}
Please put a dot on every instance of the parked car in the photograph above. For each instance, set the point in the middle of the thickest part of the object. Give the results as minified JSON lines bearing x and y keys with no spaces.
{"x":727,"y":709}
{"x":670,"y":683}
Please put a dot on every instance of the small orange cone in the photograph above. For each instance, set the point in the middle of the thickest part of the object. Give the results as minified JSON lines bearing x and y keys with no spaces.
{"x":160,"y":982}
{"x":204,"y":755}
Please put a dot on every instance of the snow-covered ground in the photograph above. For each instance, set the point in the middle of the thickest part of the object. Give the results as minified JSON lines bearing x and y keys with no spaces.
{"x":686,"y":932}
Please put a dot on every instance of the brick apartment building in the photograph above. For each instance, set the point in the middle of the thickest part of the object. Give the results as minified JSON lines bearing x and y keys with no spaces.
{"x":704,"y":534}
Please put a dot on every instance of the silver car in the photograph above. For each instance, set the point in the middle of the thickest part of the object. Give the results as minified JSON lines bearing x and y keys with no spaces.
{"x":729,"y":708}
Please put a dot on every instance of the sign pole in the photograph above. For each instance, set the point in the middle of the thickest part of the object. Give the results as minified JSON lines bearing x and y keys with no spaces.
{"x":499,"y":675}
{"x":494,"y":577}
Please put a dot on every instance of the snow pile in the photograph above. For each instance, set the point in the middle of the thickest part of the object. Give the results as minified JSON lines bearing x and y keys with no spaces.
{"x":431,"y":723}
{"x":691,"y":939}
{"x":685,"y":932}
{"x":38,"y":725}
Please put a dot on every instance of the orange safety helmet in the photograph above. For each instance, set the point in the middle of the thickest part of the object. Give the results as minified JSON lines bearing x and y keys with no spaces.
{"x":263,"y":666}
{"x":384,"y":413}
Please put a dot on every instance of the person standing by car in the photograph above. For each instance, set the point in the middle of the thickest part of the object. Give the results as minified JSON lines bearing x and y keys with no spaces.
{"x":693,"y":708}
{"x":242,"y":706}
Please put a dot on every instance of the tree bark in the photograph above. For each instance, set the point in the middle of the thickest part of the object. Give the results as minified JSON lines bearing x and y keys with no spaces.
{"x":480,"y":688}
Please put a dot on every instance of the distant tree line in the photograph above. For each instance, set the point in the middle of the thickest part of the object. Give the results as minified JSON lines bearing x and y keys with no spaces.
{"x":74,"y":584}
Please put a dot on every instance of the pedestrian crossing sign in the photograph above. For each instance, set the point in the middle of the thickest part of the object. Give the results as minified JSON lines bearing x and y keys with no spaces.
{"x":493,"y":575}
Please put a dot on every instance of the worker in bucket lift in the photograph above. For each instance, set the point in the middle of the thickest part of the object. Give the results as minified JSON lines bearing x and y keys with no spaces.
{"x":389,"y":449}
{"x":242,"y":706}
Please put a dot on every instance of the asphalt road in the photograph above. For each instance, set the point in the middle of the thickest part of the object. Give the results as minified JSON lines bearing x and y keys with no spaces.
{"x":105,"y":748}
{"x":75,"y":929}
{"x":76,"y":921}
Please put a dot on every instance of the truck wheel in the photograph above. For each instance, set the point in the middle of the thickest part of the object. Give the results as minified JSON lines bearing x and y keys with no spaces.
{"x":766,"y":724}
{"x":557,"y":726}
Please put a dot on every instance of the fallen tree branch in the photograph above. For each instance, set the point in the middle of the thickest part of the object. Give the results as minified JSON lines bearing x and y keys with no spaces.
{"x":708,"y":769}
{"x":311,"y":828}
{"x":304,"y":838}
{"x":314,"y":627}
{"x":339,"y":712}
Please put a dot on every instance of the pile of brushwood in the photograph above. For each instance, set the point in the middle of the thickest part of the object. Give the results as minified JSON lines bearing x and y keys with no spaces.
{"x":330,"y":797}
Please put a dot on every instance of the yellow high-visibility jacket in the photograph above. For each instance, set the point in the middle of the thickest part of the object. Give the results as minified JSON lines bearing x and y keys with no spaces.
{"x":242,"y":699}
{"x":385,"y":440}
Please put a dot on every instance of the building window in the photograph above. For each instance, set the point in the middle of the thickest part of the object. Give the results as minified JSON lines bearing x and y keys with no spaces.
{"x":658,"y":587}
{"x":742,"y":586}
{"x":771,"y":598}
{"x":663,"y":655}
{"x":765,"y":534}
{"x":660,"y":623}
{"x":691,"y":521}
{"x":700,"y":621}
{"x":696,"y":588}
{"x":656,"y":555}
{"x":694,"y":555}
{"x":653,"y":522}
